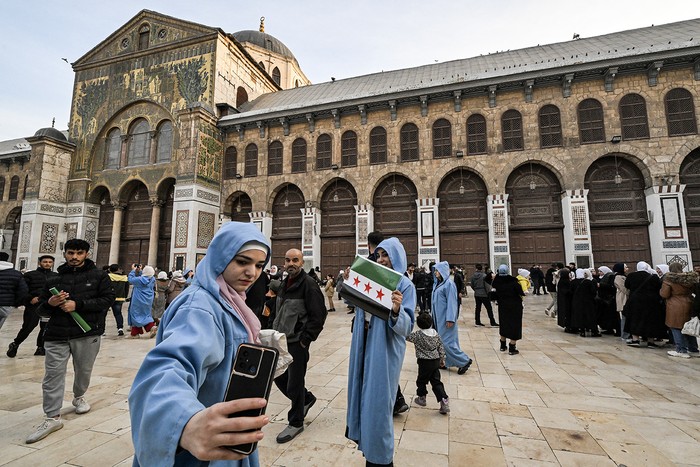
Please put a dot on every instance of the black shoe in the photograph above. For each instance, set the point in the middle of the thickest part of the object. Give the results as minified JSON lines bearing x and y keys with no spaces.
{"x":494,"y":324}
{"x":512,"y":350}
{"x":120,"y":332}
{"x":309,"y":404}
{"x":479,"y":324}
{"x":40,"y":351}
{"x":464,"y":369}
{"x":503,"y":346}
{"x":400,"y":407}
{"x":12,"y":350}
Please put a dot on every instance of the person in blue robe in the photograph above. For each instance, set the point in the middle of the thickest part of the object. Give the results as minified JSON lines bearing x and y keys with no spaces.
{"x":445,"y":311}
{"x":175,"y":403}
{"x":376,"y":355}
{"x":142,"y":296}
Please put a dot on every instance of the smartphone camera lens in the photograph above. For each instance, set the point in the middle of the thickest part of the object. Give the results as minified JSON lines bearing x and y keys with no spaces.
{"x":252,"y":369}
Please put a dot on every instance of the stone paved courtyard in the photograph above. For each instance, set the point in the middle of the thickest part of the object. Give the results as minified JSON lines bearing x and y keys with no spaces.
{"x":564,"y":400}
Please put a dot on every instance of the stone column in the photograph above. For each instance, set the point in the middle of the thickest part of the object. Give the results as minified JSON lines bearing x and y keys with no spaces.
{"x":116,"y":232}
{"x":153,"y":236}
{"x":428,"y":235}
{"x":364,"y":224}
{"x":310,"y":237}
{"x":668,"y":233}
{"x":152,"y":148}
{"x":499,"y":238}
{"x":123,"y":152}
{"x":577,"y":229}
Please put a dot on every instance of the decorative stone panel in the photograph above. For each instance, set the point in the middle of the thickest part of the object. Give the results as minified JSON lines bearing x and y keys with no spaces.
{"x":581,"y":247}
{"x":49,"y":237}
{"x":51,"y":208}
{"x":74,"y":210}
{"x":499,"y":223}
{"x":205,"y":229}
{"x":71,"y":230}
{"x":91,"y":233}
{"x":185,"y":193}
{"x":205,"y":195}
{"x":181,"y":225}
{"x":578,"y":215}
{"x":675,"y":244}
{"x":26,"y":236}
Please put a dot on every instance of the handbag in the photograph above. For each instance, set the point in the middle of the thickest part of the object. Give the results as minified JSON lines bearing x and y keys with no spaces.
{"x":692,"y":327}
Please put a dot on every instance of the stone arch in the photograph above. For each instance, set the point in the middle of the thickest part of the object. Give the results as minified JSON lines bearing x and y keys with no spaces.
{"x":395,"y":211}
{"x":338,"y":225}
{"x":101,"y":196}
{"x":238,"y":206}
{"x":12,"y":223}
{"x":287,"y":220}
{"x":135,"y":198}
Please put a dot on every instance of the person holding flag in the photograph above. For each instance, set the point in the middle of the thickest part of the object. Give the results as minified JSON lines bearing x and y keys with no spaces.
{"x":385,"y":301}
{"x":445,"y":310}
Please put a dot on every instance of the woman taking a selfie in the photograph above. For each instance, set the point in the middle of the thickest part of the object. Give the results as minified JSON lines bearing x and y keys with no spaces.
{"x":177,"y":413}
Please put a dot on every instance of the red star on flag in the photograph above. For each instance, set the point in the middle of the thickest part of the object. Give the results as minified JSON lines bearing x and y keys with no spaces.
{"x":367,"y":287}
{"x":356,"y":281}
{"x":380,"y":294}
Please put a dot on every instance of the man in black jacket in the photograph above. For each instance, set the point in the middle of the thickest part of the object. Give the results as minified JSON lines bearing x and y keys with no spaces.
{"x":301,"y":313}
{"x":87,"y":291}
{"x":35,"y":284}
{"x":13,"y":289}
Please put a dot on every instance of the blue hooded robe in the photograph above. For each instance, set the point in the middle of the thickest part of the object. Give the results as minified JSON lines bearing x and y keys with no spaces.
{"x":444,"y":309}
{"x":375,"y":367}
{"x":141,"y":299}
{"x":188,"y":369}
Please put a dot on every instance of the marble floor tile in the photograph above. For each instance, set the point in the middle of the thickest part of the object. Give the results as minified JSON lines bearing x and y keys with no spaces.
{"x":571,"y":440}
{"x":483,"y":456}
{"x":515,"y":447}
{"x":517,"y":427}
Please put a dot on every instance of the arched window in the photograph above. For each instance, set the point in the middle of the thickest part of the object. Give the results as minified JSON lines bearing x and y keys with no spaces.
{"x":113,"y":146}
{"x":296,"y":83}
{"x":324,"y":152}
{"x":241,"y":96}
{"x":680,"y":112}
{"x":274,"y":158}
{"x":14,"y":187}
{"x":262,"y":65}
{"x":348,"y":149}
{"x":377,"y":145}
{"x":442,"y":138}
{"x":512,"y":128}
{"x":590,"y":122}
{"x":165,"y":142}
{"x":633,"y":117}
{"x":476,"y":134}
{"x":550,"y":127}
{"x":230,"y":162}
{"x":144,"y":32}
{"x":276,"y":76}
{"x":24,"y":188}
{"x":299,"y":155}
{"x":251,"y":160}
{"x":139,"y":143}
{"x":409,"y":142}
{"x":2,"y":188}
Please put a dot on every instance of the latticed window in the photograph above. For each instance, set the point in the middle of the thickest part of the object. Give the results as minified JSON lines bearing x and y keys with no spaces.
{"x":550,"y":127}
{"x":348,"y":149}
{"x":139,"y":143}
{"x":680,"y":113}
{"x":299,"y":155}
{"x":633,"y":117}
{"x":377,"y":145}
{"x":476,"y":134}
{"x":442,"y":138}
{"x":14,"y":187}
{"x":113,"y":146}
{"x":324,"y":152}
{"x":251,"y":160}
{"x":276,"y":77}
{"x":590,"y":122}
{"x":165,"y":142}
{"x":230,"y":161}
{"x":274,"y":158}
{"x":409,"y":142}
{"x":512,"y":128}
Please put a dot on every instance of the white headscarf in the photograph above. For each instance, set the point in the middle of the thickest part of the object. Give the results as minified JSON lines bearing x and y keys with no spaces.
{"x":524,"y":272}
{"x":581,"y":273}
{"x":604,"y":269}
{"x":273,"y":270}
{"x":642,"y":266}
{"x":663,"y":268}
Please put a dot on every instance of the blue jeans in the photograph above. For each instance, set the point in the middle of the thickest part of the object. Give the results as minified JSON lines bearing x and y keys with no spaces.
{"x":684,"y":343}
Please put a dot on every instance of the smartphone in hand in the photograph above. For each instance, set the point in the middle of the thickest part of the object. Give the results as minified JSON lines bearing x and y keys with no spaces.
{"x":252,"y":376}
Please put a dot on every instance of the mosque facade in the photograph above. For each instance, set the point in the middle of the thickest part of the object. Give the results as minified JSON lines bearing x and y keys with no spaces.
{"x":583,"y":151}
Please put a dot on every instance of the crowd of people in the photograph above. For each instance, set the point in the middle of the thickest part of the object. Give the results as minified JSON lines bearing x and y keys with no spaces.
{"x":199,"y":320}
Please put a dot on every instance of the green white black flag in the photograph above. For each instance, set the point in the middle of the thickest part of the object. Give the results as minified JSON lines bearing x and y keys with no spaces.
{"x":369,"y":286}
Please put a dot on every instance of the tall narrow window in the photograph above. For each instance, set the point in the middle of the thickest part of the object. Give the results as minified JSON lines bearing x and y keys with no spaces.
{"x":230,"y":161}
{"x":2,"y":188}
{"x":276,"y":76}
{"x":241,"y":96}
{"x":633,"y":117}
{"x":165,"y":142}
{"x":251,"y":160}
{"x":14,"y":187}
{"x":24,"y":188}
{"x":324,"y":152}
{"x":144,"y":33}
{"x":550,"y":127}
{"x":409,"y":142}
{"x":377,"y":145}
{"x":512,"y":128}
{"x":442,"y":139}
{"x":590,"y":122}
{"x":476,"y":134}
{"x":299,"y":155}
{"x":680,"y":112}
{"x":348,"y":149}
{"x":274,"y":158}
{"x":139,"y":143}
{"x":113,"y":146}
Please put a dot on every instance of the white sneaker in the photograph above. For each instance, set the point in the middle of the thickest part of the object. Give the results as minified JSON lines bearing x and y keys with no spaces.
{"x":673,"y":353}
{"x":45,"y":429}
{"x":81,"y":405}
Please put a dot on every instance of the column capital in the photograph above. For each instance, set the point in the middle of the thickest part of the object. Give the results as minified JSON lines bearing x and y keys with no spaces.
{"x":156,"y":202}
{"x":118,"y":206}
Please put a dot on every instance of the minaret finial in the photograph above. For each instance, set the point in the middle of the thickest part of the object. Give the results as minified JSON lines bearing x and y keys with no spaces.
{"x":262,"y":24}
{"x":53,"y":122}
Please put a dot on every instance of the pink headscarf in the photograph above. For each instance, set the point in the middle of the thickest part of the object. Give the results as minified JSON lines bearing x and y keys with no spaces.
{"x":237,"y":301}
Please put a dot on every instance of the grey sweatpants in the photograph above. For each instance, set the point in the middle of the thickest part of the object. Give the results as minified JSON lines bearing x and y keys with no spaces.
{"x":84,"y":351}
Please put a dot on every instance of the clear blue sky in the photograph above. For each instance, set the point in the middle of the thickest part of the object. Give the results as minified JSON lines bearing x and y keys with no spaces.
{"x":328,"y":38}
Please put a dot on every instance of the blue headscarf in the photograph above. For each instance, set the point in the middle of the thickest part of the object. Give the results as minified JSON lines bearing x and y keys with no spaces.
{"x":503,"y":270}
